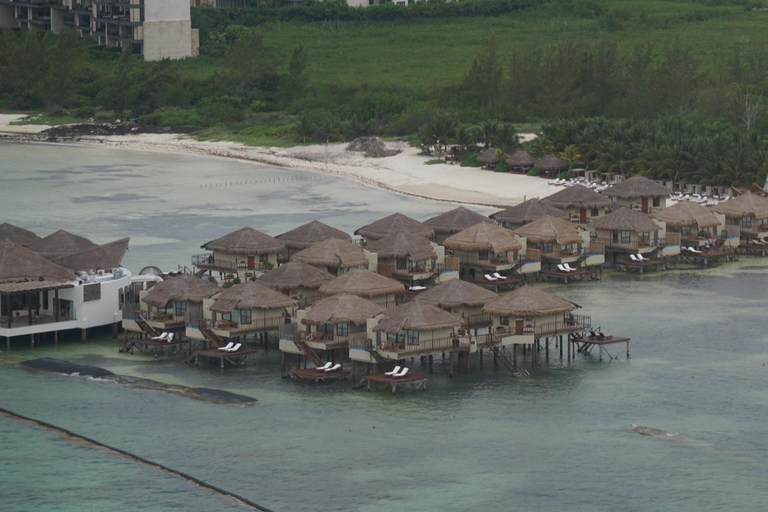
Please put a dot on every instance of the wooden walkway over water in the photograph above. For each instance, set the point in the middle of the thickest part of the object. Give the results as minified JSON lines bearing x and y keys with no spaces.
{"x":224,"y":356}
{"x":586,"y":344}
{"x":416,"y":381}
{"x":155,"y":346}
{"x":319,"y":375}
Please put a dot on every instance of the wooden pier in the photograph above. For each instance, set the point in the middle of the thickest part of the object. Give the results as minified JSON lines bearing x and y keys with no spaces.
{"x":702,"y":257}
{"x":416,"y":381}
{"x":230,"y":357}
{"x":508,"y":284}
{"x":559,"y":275}
{"x":639,"y":266}
{"x":318,"y":375}
{"x":154,"y":346}
{"x":753,"y":249}
{"x":586,"y":344}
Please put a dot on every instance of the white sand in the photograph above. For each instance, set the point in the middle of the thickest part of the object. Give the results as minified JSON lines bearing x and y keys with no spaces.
{"x":405,"y":173}
{"x":7,"y":127}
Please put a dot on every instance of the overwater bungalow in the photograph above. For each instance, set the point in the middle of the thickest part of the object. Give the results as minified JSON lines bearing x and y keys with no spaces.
{"x":450,"y":223}
{"x":364,"y":283}
{"x":526,"y":212}
{"x":408,"y":257}
{"x":241,"y":253}
{"x":582,"y":204}
{"x":98,"y":260}
{"x":522,"y":161}
{"x":697,"y":225}
{"x":746,"y":214}
{"x":61,"y":243}
{"x":335,"y":256}
{"x":392,"y":224}
{"x":562,"y":242}
{"x":638,"y":193}
{"x":306,"y":235}
{"x":632,"y":232}
{"x":297,"y":280}
{"x":486,"y":247}
{"x":461,"y":298}
{"x":17,"y":235}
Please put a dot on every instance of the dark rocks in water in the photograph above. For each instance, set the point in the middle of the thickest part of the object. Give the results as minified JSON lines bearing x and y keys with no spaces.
{"x":126,"y":128}
{"x":373,"y":147}
{"x":218,"y":395}
{"x":50,"y":364}
{"x":652,"y":432}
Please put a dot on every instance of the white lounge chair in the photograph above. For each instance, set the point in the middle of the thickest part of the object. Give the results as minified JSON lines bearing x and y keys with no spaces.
{"x":640,"y":257}
{"x":633,"y":257}
{"x":161,"y":337}
{"x":569,"y":268}
{"x":402,"y":373}
{"x":397,"y":369}
{"x":562,"y":268}
{"x":228,"y":346}
{"x":490,"y":278}
{"x":325,"y":366}
{"x":235,"y":348}
{"x":169,"y":338}
{"x":499,"y":276}
{"x":333,"y":368}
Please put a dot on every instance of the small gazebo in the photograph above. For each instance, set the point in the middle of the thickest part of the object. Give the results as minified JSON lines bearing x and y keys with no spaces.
{"x":522,"y":160}
{"x":551,"y":165}
{"x":489,"y":157}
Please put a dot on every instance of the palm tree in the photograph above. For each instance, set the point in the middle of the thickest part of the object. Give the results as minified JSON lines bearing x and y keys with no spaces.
{"x":571,"y":154}
{"x":305,"y":129}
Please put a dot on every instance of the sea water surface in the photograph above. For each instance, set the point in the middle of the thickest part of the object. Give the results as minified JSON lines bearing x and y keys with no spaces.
{"x":558,"y":440}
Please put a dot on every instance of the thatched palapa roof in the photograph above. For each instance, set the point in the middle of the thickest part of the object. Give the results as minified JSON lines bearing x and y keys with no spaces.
{"x":488,"y":156}
{"x":528,"y":211}
{"x":17,"y":235}
{"x":456,"y":293}
{"x":250,"y":295}
{"x":551,"y":163}
{"x":626,"y":219}
{"x":394,"y":224}
{"x":483,"y":237}
{"x":310,"y":234}
{"x":295,"y":274}
{"x":547,"y":230}
{"x":455,"y":220}
{"x":637,"y":186}
{"x":522,"y":159}
{"x":19,"y":264}
{"x":401,"y":245}
{"x":101,"y":257}
{"x":577,"y":196}
{"x":333,"y":253}
{"x":362,"y":282}
{"x":745,"y":205}
{"x":344,"y":308}
{"x":184,"y":288}
{"x":528,"y":302}
{"x":61,"y":243}
{"x":686,"y":213}
{"x":246,"y":242}
{"x":416,"y":316}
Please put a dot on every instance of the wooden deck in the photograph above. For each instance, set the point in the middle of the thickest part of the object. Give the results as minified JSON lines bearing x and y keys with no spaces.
{"x":753,"y":249}
{"x":230,"y":357}
{"x":559,"y":275}
{"x":702,"y":258}
{"x":155,"y":346}
{"x":639,"y":266}
{"x":586,"y":344}
{"x":416,"y":381}
{"x":319,"y":375}
{"x":510,"y":283}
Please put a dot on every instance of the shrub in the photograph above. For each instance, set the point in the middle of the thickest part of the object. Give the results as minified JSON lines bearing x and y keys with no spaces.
{"x":501,"y":167}
{"x":533,"y":172}
{"x":470,"y":160}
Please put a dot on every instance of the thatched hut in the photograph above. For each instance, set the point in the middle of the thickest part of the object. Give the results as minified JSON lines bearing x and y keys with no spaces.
{"x":334,"y":255}
{"x":558,"y":239}
{"x":522,"y":160}
{"x":167,"y":303}
{"x":338,"y":320}
{"x":449,"y":223}
{"x":61,"y":243}
{"x":17,"y":235}
{"x":248,"y":307}
{"x":639,"y":192}
{"x":485,"y":246}
{"x":415,"y":328}
{"x":364,"y":283}
{"x":307,"y":235}
{"x":526,"y":212}
{"x":747,"y":213}
{"x":551,"y":165}
{"x":627,"y":230}
{"x":296,"y":279}
{"x":102,"y":257}
{"x":241,"y":251}
{"x":531,"y":310}
{"x":695,"y":223}
{"x":582,"y":204}
{"x":407,"y":256}
{"x":489,"y":157}
{"x":460,"y":298}
{"x":392,"y":224}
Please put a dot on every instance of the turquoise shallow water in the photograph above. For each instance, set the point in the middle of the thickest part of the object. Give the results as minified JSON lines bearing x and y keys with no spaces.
{"x":483,"y":441}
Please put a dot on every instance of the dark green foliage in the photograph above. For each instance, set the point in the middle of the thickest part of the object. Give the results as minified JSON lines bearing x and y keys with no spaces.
{"x":470,"y":160}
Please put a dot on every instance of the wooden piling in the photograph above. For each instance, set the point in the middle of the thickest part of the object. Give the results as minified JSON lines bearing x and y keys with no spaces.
{"x":450,"y":365}
{"x":430,"y":361}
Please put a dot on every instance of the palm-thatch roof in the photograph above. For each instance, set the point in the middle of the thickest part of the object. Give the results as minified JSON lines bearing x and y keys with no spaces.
{"x":456,"y":293}
{"x":637,"y":186}
{"x":547,"y":230}
{"x":19,"y":264}
{"x":551,"y":163}
{"x":343,"y":308}
{"x":183,"y":288}
{"x":17,"y":234}
{"x":626,"y":219}
{"x":61,"y":243}
{"x":293,"y":275}
{"x":528,"y":211}
{"x":416,"y":316}
{"x":528,"y":302}
{"x":107,"y":256}
{"x":488,"y":156}
{"x":333,"y":253}
{"x":401,"y":245}
{"x":394,"y":224}
{"x":745,"y":205}
{"x":362,"y":282}
{"x":309,"y":234}
{"x":484,"y":237}
{"x":577,"y":196}
{"x":247,"y":242}
{"x":686,"y":213}
{"x":522,"y":159}
{"x":250,"y":295}
{"x":455,"y":220}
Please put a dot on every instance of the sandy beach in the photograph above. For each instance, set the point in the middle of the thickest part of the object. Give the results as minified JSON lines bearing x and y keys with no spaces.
{"x":405,"y":173}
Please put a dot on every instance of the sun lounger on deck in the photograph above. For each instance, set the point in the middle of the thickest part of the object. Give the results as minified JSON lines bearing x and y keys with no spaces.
{"x":333,"y":368}
{"x":325,"y":366}
{"x":498,"y":276}
{"x":235,"y":348}
{"x":161,"y":337}
{"x":228,"y":346}
{"x":569,"y":268}
{"x":490,"y":278}
{"x":633,"y":257}
{"x":562,"y":268}
{"x":169,"y":338}
{"x":402,"y":373}
{"x":397,"y":369}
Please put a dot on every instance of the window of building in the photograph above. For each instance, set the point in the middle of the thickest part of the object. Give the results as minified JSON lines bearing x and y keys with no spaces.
{"x":263,"y":258}
{"x":342,"y":329}
{"x":181,"y":308}
{"x":547,"y":248}
{"x":401,"y":263}
{"x":615,"y":236}
{"x":644,"y":237}
{"x":657,"y":201}
{"x":483,"y":255}
{"x":685,"y":230}
{"x":246,"y":316}
{"x":625,"y":236}
{"x":413,"y":337}
{"x":746,"y":222}
{"x":504,"y":320}
{"x":595,"y":212}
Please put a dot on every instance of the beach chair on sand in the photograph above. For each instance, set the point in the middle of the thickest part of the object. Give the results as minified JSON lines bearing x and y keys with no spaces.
{"x":394,"y":371}
{"x":228,"y":346}
{"x":499,"y":276}
{"x":324,"y":367}
{"x":161,"y":337}
{"x":333,"y":368}
{"x":489,"y":277}
{"x":235,"y":348}
{"x":402,"y":373}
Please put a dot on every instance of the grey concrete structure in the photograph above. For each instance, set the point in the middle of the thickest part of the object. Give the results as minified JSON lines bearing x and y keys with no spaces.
{"x":156,"y":29}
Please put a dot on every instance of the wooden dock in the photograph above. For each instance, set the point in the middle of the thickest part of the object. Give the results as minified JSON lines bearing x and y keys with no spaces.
{"x":416,"y":381}
{"x":230,"y":357}
{"x":639,"y":266}
{"x":702,"y":257}
{"x":753,"y":249}
{"x":586,"y":344}
{"x":559,"y":275}
{"x":319,"y":375}
{"x":154,"y":346}
{"x":510,"y":283}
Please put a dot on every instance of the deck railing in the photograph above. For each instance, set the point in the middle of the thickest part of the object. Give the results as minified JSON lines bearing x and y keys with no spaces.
{"x":131,"y":310}
{"x":423,"y":346}
{"x":329,"y":338}
{"x":478,"y":320}
{"x":474,"y":259}
{"x":671,"y":239}
{"x":21,"y":319}
{"x":633,"y":245}
{"x":570,"y":323}
{"x":209,"y":261}
{"x":596,"y":247}
{"x":239,"y":327}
